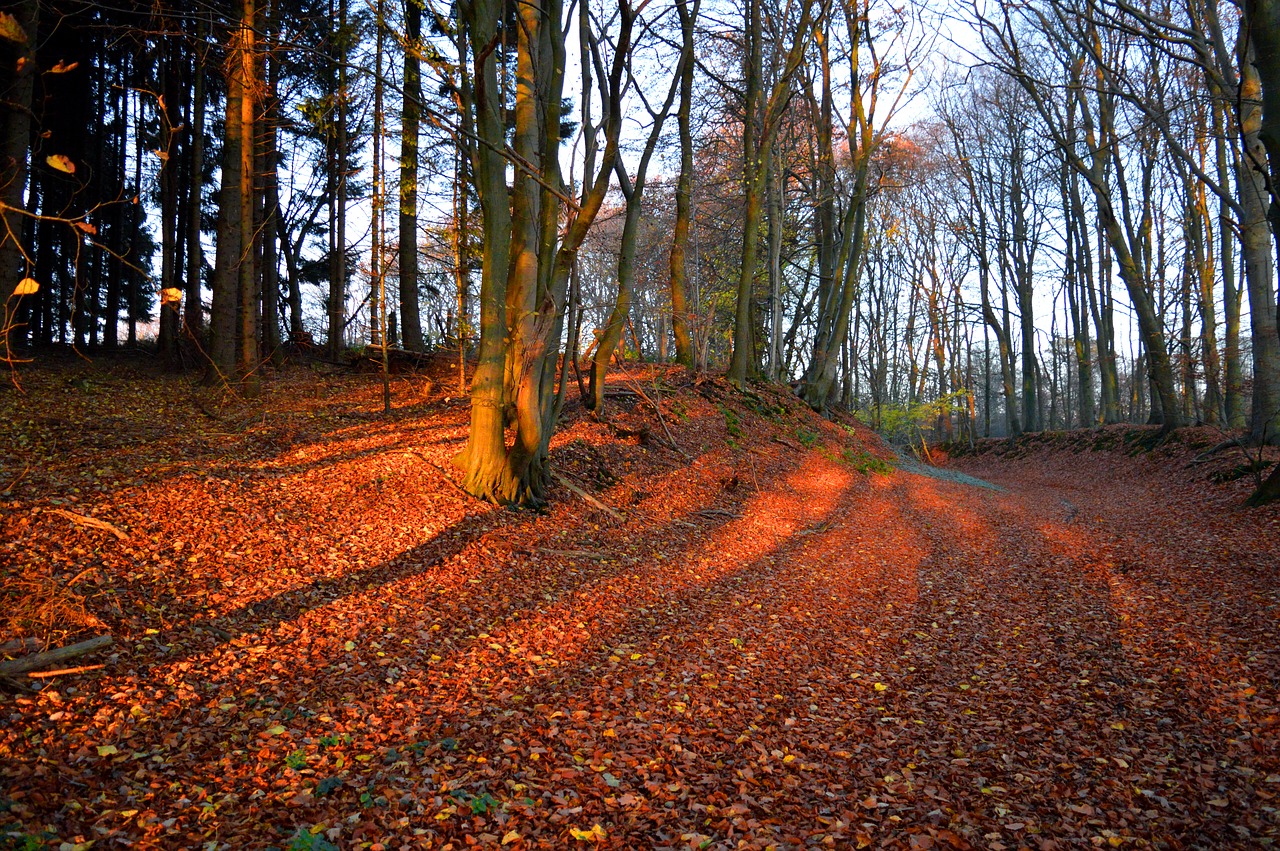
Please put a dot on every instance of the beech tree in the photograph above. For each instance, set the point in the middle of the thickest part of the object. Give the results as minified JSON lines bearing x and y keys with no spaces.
{"x":526,"y":261}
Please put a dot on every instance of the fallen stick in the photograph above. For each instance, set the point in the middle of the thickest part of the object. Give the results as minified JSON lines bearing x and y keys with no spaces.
{"x":575,"y":554}
{"x":443,"y":473}
{"x":586,"y":496}
{"x":670,"y":438}
{"x":50,"y":657}
{"x":18,"y":645}
{"x":91,"y":522}
{"x":65,"y":671}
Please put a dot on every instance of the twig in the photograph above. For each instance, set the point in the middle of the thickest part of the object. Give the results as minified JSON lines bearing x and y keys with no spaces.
{"x":670,"y":440}
{"x":574,"y":554}
{"x":719,"y":512}
{"x":65,"y":671}
{"x":586,"y":496}
{"x":91,"y":522}
{"x":21,"y":476}
{"x":1214,"y":450}
{"x":459,"y":488}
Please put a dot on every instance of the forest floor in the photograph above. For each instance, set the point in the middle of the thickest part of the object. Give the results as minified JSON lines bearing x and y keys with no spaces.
{"x":772,"y":637}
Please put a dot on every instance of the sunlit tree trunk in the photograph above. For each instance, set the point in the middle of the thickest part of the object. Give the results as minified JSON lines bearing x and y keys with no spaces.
{"x":526,"y":263}
{"x":233,"y":269}
{"x":247,"y":278}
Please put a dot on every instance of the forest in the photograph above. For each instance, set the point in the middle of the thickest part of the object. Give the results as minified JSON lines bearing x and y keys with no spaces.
{"x":988,"y":221}
{"x":639,"y":423}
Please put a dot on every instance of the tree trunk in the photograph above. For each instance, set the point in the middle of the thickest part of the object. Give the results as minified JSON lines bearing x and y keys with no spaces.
{"x":193,"y":313}
{"x":1256,"y":255}
{"x":235,"y":217}
{"x":338,"y":187}
{"x":755,"y":161}
{"x":684,"y":186}
{"x":410,"y":317}
{"x":247,"y":278}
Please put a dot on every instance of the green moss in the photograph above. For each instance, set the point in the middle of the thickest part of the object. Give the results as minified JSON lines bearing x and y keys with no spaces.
{"x":866,"y":463}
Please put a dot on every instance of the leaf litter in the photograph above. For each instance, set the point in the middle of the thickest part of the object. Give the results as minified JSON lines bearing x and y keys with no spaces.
{"x":322,"y":643}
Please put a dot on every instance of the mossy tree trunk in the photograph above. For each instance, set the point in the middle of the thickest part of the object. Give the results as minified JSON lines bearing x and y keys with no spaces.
{"x":525,"y":262}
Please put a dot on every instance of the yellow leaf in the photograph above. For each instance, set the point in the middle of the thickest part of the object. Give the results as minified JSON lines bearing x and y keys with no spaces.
{"x":27,"y":286}
{"x":596,"y":832}
{"x":275,"y":730}
{"x":107,"y":750}
{"x":512,"y":836}
{"x":61,"y":163}
{"x":1117,"y":726}
{"x":881,"y":687}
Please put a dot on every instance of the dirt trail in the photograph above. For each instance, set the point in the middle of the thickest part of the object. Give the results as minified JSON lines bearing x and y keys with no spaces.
{"x":777,"y":647}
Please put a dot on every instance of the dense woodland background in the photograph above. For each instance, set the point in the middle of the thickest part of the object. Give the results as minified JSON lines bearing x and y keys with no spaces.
{"x":974,"y":220}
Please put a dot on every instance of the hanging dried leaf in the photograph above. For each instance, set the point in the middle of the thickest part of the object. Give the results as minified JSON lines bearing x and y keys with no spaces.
{"x":64,"y":68}
{"x":61,"y":163}
{"x":11,"y":30}
{"x":170,"y":295}
{"x":87,"y":227}
{"x":27,"y":286}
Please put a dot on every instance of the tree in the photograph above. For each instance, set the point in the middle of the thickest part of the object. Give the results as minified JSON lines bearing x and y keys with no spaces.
{"x":761,"y":120}
{"x":410,"y":118}
{"x":526,"y":263}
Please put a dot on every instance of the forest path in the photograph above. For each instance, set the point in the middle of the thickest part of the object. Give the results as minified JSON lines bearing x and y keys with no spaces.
{"x":770,"y":645}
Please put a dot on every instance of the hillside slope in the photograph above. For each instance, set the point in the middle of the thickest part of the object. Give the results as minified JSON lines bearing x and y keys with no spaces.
{"x":758,"y":634}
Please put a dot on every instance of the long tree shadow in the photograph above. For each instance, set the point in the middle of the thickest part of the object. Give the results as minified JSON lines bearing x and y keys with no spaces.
{"x":425,"y":663}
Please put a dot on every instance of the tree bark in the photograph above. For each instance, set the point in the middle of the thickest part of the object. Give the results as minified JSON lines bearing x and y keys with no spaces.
{"x":684,"y":185}
{"x":411,"y":116}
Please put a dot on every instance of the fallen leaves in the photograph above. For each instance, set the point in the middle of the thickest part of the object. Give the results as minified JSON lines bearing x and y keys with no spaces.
{"x":322,"y":640}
